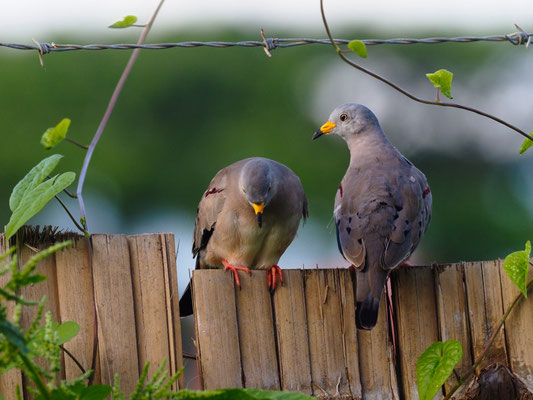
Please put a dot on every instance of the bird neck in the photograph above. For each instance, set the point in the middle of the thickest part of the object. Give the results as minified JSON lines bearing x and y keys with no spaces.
{"x":369,"y":148}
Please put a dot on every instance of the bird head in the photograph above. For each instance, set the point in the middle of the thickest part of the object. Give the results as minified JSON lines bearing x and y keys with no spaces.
{"x":348,"y":121}
{"x":256,"y":185}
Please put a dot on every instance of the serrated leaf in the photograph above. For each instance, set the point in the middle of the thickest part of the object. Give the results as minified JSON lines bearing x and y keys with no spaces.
{"x":527,"y":144}
{"x":435,"y":365}
{"x":34,"y":200}
{"x":33,"y":178}
{"x":13,"y":335}
{"x":442,"y":79}
{"x":516,"y":265}
{"x":358,"y":47}
{"x":128,"y":20}
{"x":95,"y":392}
{"x":56,"y":134}
{"x":66,"y":331}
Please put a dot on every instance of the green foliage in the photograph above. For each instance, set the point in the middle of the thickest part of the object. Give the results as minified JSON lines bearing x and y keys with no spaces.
{"x":67,"y":331}
{"x":442,"y":80}
{"x":435,"y":365}
{"x":516,"y":266}
{"x":358,"y":47}
{"x":56,"y":134}
{"x":31,"y":194}
{"x":128,"y":21}
{"x":240,"y":394}
{"x":527,"y":144}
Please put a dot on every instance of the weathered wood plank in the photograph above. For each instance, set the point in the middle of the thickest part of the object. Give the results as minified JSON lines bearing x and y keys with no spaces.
{"x":256,"y":332}
{"x":453,"y":316}
{"x":485,"y":308}
{"x":415,"y":309}
{"x":74,"y":271}
{"x":324,"y":322}
{"x":217,"y":335}
{"x":10,"y":379}
{"x":117,"y":338}
{"x":291,"y":329}
{"x":518,"y":330}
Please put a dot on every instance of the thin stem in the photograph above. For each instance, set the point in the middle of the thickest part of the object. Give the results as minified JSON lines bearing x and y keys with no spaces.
{"x":73,"y":358}
{"x":34,"y":376}
{"x":70,"y":215}
{"x":76,"y":143}
{"x":489,"y":344}
{"x":107,"y":114}
{"x":405,"y":92}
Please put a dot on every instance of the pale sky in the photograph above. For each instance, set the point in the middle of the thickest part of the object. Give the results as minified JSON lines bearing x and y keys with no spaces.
{"x":21,"y":20}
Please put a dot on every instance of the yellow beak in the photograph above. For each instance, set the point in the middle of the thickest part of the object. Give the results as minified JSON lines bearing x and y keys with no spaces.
{"x":258,"y":208}
{"x":327,"y":127}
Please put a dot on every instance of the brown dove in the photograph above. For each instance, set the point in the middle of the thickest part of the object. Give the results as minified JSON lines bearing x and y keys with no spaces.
{"x":382,"y":206}
{"x":246,"y":219}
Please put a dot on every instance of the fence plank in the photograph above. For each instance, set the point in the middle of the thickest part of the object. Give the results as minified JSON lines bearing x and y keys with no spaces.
{"x":414,"y":304}
{"x":217,"y":333}
{"x":519,"y":328}
{"x":73,"y":271}
{"x":452,"y":314}
{"x":291,"y":329}
{"x":256,"y":332}
{"x":116,"y":319}
{"x":484,"y":295}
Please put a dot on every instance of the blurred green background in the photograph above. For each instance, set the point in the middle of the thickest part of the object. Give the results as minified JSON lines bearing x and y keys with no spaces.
{"x":186,"y":113}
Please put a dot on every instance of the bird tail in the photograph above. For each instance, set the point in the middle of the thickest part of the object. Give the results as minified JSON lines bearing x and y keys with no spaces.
{"x":368,"y":295}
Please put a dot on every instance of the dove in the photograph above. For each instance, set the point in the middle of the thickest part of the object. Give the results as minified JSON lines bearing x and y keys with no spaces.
{"x":382,"y":206}
{"x":246,"y":219}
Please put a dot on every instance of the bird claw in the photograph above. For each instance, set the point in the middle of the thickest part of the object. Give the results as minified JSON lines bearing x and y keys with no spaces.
{"x":228,"y":266}
{"x":275,"y":269}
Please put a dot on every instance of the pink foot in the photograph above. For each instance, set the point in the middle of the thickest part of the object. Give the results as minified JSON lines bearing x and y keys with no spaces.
{"x":227,"y":266}
{"x":272,"y":272}
{"x":407,"y":265}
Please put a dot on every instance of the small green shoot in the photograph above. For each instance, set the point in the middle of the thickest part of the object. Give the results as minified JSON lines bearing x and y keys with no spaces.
{"x":358,"y":47}
{"x":516,"y":265}
{"x":442,"y":80}
{"x":56,"y":134}
{"x":527,"y":144}
{"x":128,"y":21}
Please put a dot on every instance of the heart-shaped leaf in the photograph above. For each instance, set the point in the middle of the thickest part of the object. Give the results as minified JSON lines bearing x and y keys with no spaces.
{"x":435,"y":365}
{"x":66,"y":331}
{"x":442,"y":80}
{"x":516,"y":265}
{"x":56,"y":134}
{"x":358,"y":47}
{"x":34,"y":200}
{"x":527,"y":144}
{"x":32,"y":179}
{"x":128,"y":20}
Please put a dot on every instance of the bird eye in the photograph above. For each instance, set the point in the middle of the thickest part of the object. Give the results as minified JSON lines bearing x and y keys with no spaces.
{"x":343,"y":117}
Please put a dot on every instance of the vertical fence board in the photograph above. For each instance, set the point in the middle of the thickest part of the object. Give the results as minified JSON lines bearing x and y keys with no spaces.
{"x":326,"y":345}
{"x":484,"y":295}
{"x":10,"y":379}
{"x":415,"y":309}
{"x":256,"y":332}
{"x":117,"y":337}
{"x":291,"y":329}
{"x":217,"y":333}
{"x":452,"y":314}
{"x":519,"y":331}
{"x":376,"y":360}
{"x":74,"y":279}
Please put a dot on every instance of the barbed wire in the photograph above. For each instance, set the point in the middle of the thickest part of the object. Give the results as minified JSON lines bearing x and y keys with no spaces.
{"x":516,"y":38}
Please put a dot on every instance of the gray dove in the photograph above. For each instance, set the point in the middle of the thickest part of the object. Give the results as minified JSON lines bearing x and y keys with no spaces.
{"x":382,"y":206}
{"x":246,"y":219}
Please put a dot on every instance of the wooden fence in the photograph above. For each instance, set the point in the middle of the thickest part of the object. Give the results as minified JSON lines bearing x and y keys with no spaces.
{"x":135,"y":294}
{"x":303,"y":337}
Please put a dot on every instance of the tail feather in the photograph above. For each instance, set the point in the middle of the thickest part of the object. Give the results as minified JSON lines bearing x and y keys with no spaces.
{"x":369,"y":287}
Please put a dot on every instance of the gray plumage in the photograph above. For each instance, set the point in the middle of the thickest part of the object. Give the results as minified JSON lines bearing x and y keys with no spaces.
{"x":382,"y":207}
{"x":227,"y":227}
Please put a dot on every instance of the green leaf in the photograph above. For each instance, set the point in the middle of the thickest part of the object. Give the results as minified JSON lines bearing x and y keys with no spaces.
{"x":34,"y":200}
{"x":32,"y":179}
{"x":358,"y":47}
{"x":96,"y":392}
{"x":435,"y":365}
{"x":66,"y":331}
{"x":56,"y":134}
{"x":442,"y":79}
{"x":13,"y":335}
{"x":128,"y":20}
{"x":516,"y":265}
{"x":527,"y":144}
